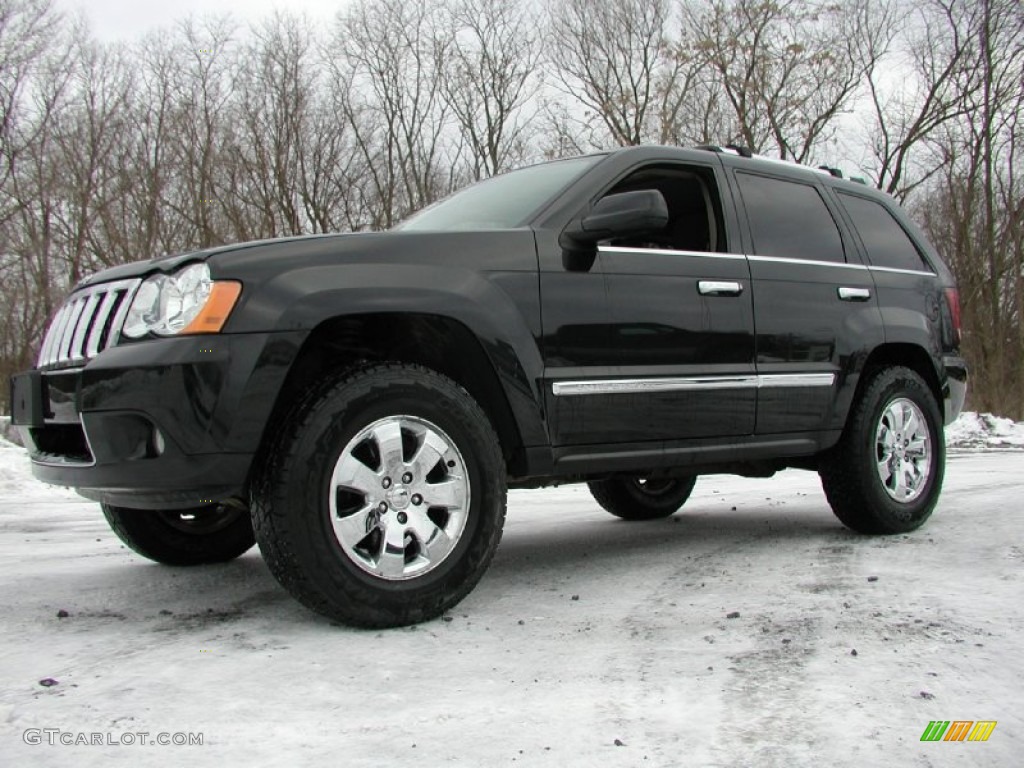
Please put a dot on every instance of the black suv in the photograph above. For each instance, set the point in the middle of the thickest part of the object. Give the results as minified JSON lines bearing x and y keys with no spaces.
{"x":358,"y":404}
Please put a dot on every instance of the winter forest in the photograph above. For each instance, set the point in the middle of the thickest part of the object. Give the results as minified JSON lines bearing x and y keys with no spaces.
{"x":214,"y":131}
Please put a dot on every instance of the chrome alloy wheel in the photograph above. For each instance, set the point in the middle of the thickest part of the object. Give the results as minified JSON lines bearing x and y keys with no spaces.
{"x":399,"y":497}
{"x":903,"y":450}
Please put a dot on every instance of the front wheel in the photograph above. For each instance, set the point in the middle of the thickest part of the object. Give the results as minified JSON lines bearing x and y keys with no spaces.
{"x":382,"y":500}
{"x":210,"y":534}
{"x":885,"y":474}
{"x":642,"y":498}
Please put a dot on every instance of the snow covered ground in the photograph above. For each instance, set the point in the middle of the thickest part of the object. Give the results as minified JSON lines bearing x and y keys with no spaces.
{"x":750,"y":629}
{"x":984,"y":432}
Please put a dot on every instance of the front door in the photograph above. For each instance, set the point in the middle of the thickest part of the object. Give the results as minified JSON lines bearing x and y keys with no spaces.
{"x":674,"y":353}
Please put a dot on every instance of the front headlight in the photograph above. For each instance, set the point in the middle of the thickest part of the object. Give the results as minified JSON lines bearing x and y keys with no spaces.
{"x":188,"y":301}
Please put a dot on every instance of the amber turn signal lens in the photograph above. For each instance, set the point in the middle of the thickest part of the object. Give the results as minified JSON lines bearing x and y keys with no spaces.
{"x":214,"y":314}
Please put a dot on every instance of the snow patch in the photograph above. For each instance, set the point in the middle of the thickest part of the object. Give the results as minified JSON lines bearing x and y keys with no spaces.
{"x":984,"y":432}
{"x":17,"y":485}
{"x":9,"y":432}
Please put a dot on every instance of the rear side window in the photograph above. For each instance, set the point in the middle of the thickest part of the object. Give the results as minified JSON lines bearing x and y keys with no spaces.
{"x":789,"y":219}
{"x":887,"y":244}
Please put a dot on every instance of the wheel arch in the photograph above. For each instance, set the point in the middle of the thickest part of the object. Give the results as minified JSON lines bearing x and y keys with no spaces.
{"x":889,"y":355}
{"x":910,"y":356}
{"x":435,"y":341}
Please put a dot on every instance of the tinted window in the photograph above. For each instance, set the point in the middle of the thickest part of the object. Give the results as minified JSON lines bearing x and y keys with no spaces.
{"x":886,"y":242}
{"x":789,"y":219}
{"x":500,"y":202}
{"x":694,"y":210}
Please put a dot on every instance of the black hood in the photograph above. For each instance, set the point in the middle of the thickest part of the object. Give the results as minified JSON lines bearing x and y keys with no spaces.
{"x":169,"y":263}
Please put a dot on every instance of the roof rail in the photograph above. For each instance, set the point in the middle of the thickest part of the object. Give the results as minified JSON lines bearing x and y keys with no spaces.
{"x":738,"y":151}
{"x":728,"y":149}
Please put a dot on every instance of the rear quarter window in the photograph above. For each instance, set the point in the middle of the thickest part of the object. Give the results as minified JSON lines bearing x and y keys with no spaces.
{"x":886,"y":242}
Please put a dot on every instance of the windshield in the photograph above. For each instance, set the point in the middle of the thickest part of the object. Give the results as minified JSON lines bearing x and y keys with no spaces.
{"x":501,"y":202}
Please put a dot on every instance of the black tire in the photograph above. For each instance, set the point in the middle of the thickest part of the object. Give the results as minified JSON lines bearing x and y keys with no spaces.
{"x":294,"y":490}
{"x":213,"y":534}
{"x":850,"y":473}
{"x":641,"y":498}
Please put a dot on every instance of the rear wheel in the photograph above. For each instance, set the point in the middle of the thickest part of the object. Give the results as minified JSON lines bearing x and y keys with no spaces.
{"x":210,"y":534}
{"x":885,"y":474}
{"x":642,"y":498}
{"x":382,"y":500}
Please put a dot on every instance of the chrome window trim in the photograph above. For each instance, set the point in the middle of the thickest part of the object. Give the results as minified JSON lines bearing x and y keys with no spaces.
{"x":812,"y":262}
{"x":670,"y":252}
{"x":766,"y":259}
{"x":690,"y":383}
{"x":898,"y":271}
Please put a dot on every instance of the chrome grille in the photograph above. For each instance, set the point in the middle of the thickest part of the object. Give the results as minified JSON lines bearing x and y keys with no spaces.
{"x":88,"y":322}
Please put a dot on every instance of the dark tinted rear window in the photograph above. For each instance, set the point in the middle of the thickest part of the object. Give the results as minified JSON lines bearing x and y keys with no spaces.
{"x":789,"y":219}
{"x":887,"y":244}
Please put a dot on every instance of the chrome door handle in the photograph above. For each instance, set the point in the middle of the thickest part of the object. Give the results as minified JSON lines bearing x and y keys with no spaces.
{"x":854,"y":294}
{"x":719,"y":288}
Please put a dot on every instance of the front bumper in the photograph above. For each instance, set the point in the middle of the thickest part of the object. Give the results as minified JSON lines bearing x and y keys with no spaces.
{"x":162,"y":424}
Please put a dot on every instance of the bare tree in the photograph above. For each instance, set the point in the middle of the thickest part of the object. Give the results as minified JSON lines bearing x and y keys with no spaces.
{"x":391,"y":54}
{"x":936,"y":70}
{"x":789,"y":69}
{"x":609,"y":57}
{"x":975,"y":211}
{"x":294,"y":154}
{"x":34,"y":72}
{"x":88,"y":135}
{"x":141,"y":223}
{"x":488,"y":78}
{"x":27,"y":32}
{"x":204,"y":88}
{"x":275,"y":93}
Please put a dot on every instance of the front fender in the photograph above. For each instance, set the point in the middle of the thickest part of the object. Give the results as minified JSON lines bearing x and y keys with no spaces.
{"x":500,"y":308}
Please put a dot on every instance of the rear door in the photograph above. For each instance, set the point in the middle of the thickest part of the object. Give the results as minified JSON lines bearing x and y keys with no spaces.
{"x":815,"y":307}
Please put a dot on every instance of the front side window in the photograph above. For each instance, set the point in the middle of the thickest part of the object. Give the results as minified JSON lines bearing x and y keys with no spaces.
{"x":501,"y":202}
{"x":884,"y":239}
{"x":789,"y":219}
{"x":694,"y":208}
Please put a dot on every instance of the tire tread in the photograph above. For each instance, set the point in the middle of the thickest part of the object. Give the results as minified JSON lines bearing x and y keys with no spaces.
{"x":615,"y":496}
{"x":145,"y":533}
{"x":275,"y":530}
{"x":852,"y":492}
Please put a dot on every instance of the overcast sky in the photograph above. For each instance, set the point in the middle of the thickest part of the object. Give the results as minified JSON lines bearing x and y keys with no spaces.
{"x":125,"y":19}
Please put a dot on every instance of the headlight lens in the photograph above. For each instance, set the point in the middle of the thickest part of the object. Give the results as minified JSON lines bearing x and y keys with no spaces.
{"x":170,"y":304}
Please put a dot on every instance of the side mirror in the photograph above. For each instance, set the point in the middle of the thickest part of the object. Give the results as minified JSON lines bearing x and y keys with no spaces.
{"x":620,"y":215}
